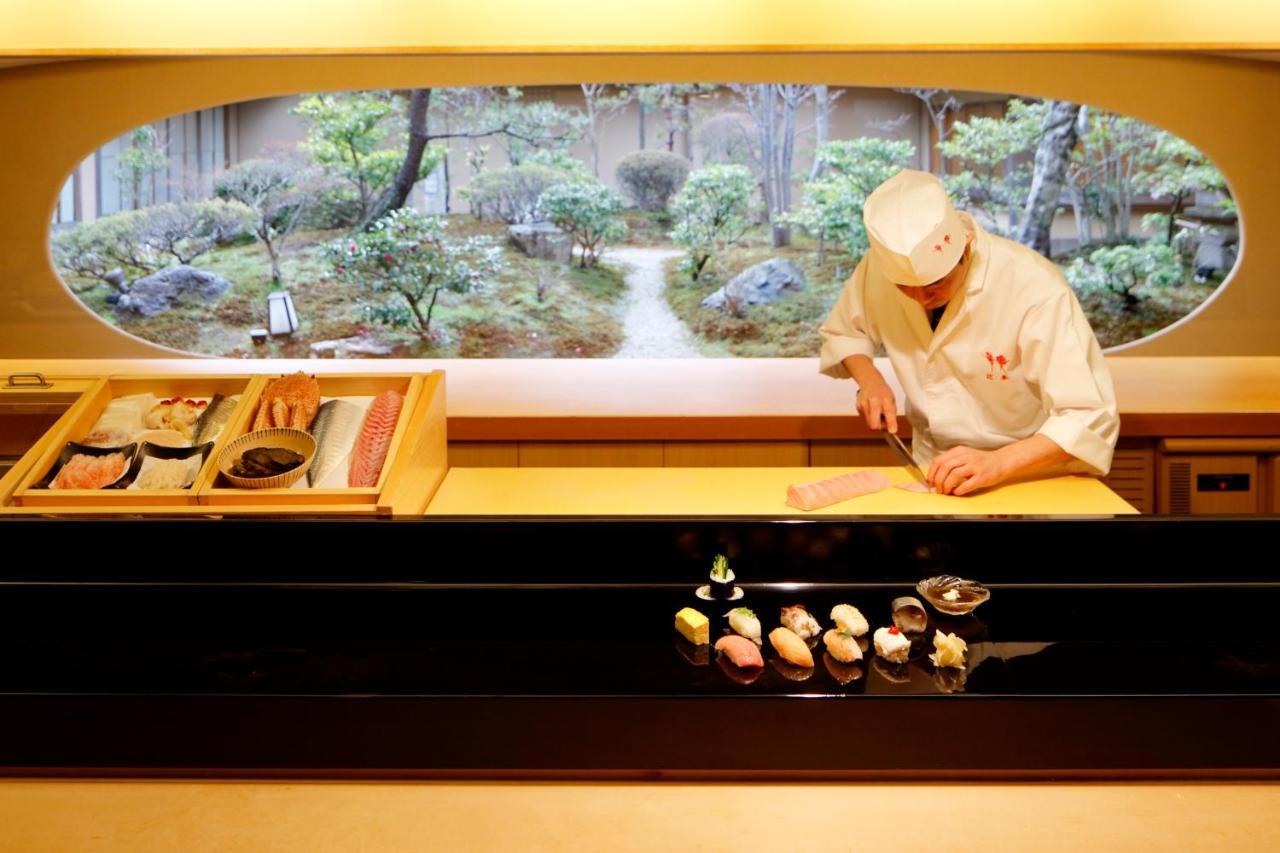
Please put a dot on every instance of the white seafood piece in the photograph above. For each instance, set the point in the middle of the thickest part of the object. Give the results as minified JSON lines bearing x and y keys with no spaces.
{"x":743,"y":621}
{"x":800,"y":621}
{"x":909,"y":614}
{"x":849,"y":619}
{"x":892,"y":645}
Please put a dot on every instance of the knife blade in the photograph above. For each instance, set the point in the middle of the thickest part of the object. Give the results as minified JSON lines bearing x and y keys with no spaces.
{"x":908,"y":461}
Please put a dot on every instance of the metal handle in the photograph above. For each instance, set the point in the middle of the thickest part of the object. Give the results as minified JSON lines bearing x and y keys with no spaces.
{"x":33,"y":380}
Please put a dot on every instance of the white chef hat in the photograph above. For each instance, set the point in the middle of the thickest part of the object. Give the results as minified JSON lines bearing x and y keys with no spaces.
{"x":916,"y":235}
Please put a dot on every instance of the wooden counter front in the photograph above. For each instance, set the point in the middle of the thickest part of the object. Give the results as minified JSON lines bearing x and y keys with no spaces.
{"x":739,"y":492}
{"x":143,"y":816}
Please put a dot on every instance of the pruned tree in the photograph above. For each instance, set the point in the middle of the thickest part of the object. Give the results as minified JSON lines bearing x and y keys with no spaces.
{"x":278,"y":191}
{"x":674,"y":102}
{"x":139,"y":162}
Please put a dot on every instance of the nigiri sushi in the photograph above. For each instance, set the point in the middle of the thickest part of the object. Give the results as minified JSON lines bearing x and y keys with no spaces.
{"x":740,"y":650}
{"x":800,"y":621}
{"x":892,"y":644}
{"x":743,"y":620}
{"x":842,"y":646}
{"x":791,"y":647}
{"x":909,"y":615}
{"x":849,"y":619}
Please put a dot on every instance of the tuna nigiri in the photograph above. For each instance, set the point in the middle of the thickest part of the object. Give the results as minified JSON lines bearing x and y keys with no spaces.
{"x":371,"y":447}
{"x":740,"y":650}
{"x":790,"y":647}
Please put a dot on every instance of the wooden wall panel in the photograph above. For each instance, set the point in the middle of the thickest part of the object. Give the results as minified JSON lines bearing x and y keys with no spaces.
{"x":839,"y":453}
{"x":736,"y":454}
{"x":484,"y":454}
{"x":590,"y":454}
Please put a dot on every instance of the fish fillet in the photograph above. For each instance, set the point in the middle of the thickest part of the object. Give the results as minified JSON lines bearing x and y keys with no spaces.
{"x":833,"y":490}
{"x":371,"y":446}
{"x":917,"y":487}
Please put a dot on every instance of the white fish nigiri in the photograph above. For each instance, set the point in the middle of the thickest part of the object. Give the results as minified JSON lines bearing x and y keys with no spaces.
{"x":849,"y":619}
{"x":842,"y":646}
{"x":798,"y":620}
{"x":743,"y":621}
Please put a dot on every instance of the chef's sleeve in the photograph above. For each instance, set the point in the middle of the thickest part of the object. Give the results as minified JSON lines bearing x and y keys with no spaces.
{"x":846,"y":331}
{"x":1062,"y":359}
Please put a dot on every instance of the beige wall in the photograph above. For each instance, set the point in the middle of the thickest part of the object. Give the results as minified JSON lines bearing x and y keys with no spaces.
{"x":58,"y":112}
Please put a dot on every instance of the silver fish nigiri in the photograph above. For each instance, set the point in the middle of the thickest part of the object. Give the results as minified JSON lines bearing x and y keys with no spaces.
{"x":214,"y":418}
{"x":334,"y":428}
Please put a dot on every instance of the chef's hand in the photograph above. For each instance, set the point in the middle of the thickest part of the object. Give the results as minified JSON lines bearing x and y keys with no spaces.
{"x":962,"y":470}
{"x":875,"y":401}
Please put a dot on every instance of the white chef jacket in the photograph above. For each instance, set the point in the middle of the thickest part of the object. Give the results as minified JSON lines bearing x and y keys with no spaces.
{"x":1013,"y":356}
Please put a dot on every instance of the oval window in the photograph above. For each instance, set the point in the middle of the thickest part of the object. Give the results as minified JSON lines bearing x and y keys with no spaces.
{"x":591,"y":221}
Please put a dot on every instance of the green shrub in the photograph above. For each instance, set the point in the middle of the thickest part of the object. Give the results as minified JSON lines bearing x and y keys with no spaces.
{"x":651,"y":178}
{"x":588,"y":211}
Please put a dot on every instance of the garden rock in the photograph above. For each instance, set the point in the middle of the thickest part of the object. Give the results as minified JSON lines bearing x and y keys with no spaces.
{"x":542,"y":240}
{"x":115,"y":278}
{"x":157,"y":293}
{"x":761,"y":284}
{"x":346,"y":347}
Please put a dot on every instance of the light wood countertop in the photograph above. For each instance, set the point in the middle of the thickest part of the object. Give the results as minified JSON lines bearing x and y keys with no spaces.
{"x":733,"y":399}
{"x":739,"y":492}
{"x":192,"y":816}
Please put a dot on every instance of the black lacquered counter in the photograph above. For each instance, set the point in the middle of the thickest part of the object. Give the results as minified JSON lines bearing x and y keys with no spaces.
{"x":424,"y":645}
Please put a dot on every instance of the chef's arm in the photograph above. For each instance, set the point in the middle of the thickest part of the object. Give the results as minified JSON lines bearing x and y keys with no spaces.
{"x":875,"y":397}
{"x":1030,"y":455}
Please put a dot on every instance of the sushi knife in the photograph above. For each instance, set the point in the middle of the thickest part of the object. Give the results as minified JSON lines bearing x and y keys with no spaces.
{"x":908,"y":461}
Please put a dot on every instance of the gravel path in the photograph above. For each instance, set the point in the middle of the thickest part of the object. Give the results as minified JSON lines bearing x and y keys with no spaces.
{"x":650,"y":328}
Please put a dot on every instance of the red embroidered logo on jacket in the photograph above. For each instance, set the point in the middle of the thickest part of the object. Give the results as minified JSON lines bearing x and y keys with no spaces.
{"x":997,"y":361}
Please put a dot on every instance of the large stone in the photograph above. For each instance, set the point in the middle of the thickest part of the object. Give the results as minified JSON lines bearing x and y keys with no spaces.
{"x":760,"y":285}
{"x":542,"y":240}
{"x":156,"y":293}
{"x":115,"y":278}
{"x":347,"y":347}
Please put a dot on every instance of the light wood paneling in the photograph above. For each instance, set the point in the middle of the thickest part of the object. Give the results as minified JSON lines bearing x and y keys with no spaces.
{"x":735,"y":454}
{"x":590,"y":454}
{"x":854,"y":454}
{"x":484,"y":454}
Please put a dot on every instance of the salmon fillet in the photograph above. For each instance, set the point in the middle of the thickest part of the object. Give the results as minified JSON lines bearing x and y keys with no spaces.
{"x":370,"y":450}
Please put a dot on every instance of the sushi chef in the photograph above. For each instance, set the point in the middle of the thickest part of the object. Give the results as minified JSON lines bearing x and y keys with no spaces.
{"x":1002,"y":374}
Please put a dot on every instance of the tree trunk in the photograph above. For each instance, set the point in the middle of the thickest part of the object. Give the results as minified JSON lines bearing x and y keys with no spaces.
{"x":1050,"y":172}
{"x":640,"y":120}
{"x":820,"y":116}
{"x":394,"y":196}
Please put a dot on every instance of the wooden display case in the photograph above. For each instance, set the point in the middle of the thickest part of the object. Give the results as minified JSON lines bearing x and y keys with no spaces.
{"x":86,"y":411}
{"x":415,"y":466}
